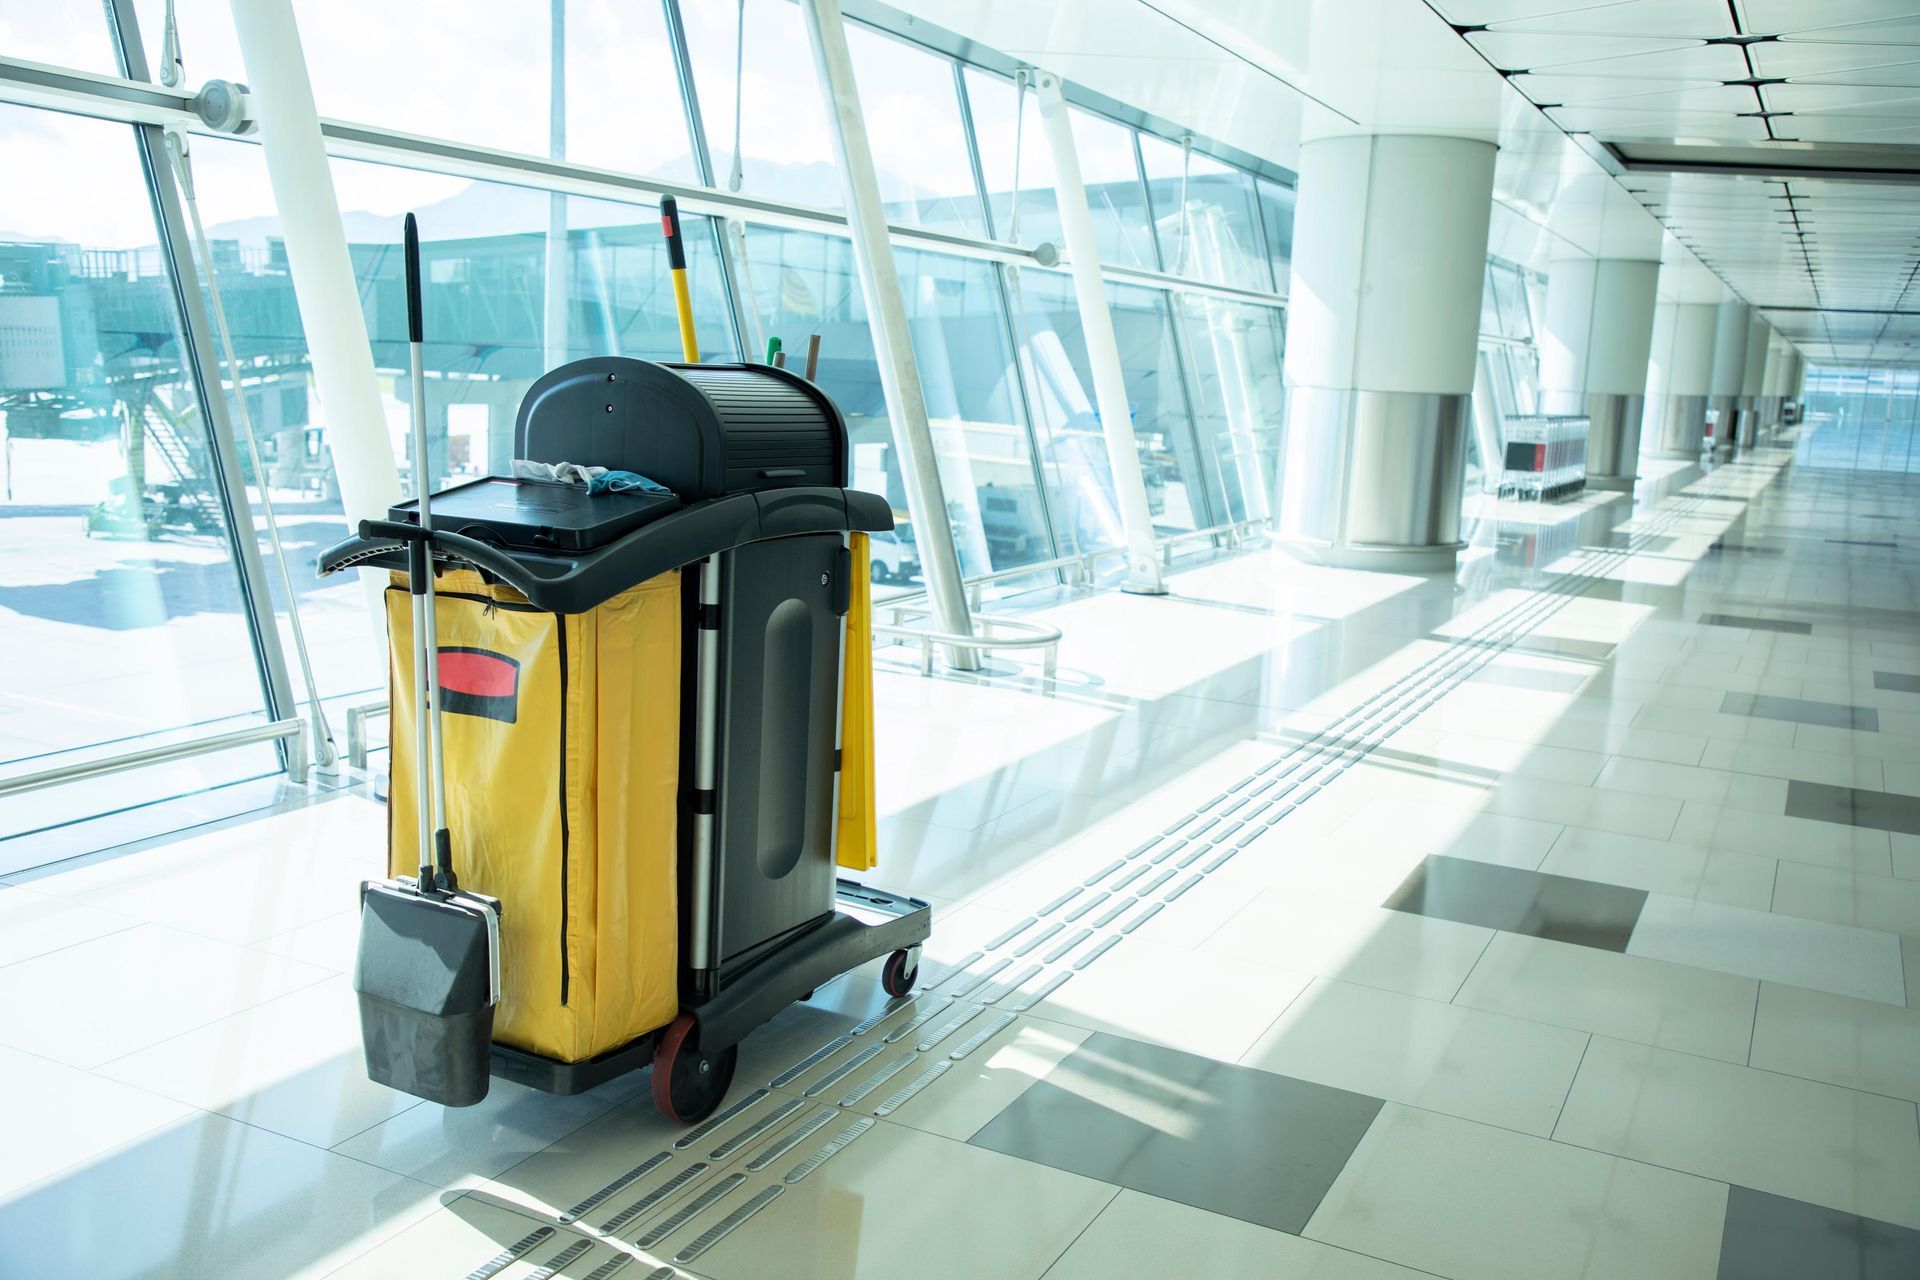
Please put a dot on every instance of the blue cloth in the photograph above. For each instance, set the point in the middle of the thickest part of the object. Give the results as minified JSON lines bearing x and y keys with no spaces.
{"x":624,"y":482}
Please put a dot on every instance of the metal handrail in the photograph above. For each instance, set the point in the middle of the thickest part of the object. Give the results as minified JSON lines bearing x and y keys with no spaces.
{"x":357,"y":718}
{"x":1081,"y":562}
{"x":1031,"y":635}
{"x":291,"y":731}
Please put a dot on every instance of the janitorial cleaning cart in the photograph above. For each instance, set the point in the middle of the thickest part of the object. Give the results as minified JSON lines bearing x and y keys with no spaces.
{"x":654,"y":737}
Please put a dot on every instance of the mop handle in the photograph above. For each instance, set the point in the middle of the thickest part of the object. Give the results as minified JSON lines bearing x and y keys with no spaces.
{"x":677,"y":266}
{"x":433,"y":808}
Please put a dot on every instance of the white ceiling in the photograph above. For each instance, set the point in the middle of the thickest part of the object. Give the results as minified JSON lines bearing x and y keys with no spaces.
{"x":1832,"y":261}
{"x":1548,"y":80}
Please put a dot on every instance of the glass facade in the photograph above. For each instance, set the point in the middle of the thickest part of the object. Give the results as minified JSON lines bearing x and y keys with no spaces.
{"x":121,"y":555}
{"x":1868,"y":419}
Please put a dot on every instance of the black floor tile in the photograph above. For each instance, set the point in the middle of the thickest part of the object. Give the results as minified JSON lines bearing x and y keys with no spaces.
{"x":1834,"y":715}
{"x":1560,"y":908}
{"x":1250,"y":1144}
{"x":1756,"y":624}
{"x":1770,"y":1237}
{"x":1881,"y":810}
{"x":1746,"y":549}
{"x":1898,"y":681}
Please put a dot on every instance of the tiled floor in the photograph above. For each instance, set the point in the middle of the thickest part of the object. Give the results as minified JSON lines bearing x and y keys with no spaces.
{"x":1560,"y":919}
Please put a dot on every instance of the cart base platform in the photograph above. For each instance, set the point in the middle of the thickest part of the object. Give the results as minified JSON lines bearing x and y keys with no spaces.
{"x":866,"y":923}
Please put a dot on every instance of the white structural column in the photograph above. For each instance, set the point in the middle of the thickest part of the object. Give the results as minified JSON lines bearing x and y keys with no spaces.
{"x":1753,"y":379}
{"x":281,"y":100}
{"x":1729,"y":369}
{"x":892,"y":340}
{"x":1389,"y":261}
{"x":1103,"y":349}
{"x":1594,"y":360}
{"x":1681,"y":371}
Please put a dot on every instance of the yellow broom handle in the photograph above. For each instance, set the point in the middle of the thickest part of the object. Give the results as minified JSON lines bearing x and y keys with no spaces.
{"x":677,"y":264}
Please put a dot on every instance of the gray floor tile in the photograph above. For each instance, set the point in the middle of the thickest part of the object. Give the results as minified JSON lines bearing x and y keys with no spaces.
{"x":1777,"y":1238}
{"x":1854,"y":806}
{"x":1755,"y":624}
{"x":1531,"y":902}
{"x":1898,"y":681}
{"x":1862,"y":542}
{"x":1232,"y":1140}
{"x":1834,"y":715}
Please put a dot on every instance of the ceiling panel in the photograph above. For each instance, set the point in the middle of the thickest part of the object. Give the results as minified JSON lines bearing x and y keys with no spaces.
{"x":1860,"y":99}
{"x":1696,"y":19}
{"x":1898,"y":31}
{"x":1554,"y":86}
{"x":1792,"y":58}
{"x":1532,"y":50}
{"x":1675,"y":62}
{"x":1768,"y":17}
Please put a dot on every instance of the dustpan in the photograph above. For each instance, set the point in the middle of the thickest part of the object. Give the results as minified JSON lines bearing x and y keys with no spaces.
{"x":428,"y":970}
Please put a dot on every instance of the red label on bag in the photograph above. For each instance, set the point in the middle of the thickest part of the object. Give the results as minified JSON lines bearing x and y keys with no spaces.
{"x":479,"y":682}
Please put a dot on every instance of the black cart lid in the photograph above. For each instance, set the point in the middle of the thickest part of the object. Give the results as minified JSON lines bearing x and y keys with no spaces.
{"x":538,"y":516}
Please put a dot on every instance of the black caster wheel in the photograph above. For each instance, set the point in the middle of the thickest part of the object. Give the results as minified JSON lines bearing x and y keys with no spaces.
{"x":808,"y":995}
{"x":689,"y":1084}
{"x":901,"y":971}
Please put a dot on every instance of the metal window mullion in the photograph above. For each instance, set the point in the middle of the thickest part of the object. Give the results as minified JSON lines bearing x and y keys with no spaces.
{"x":1007,"y":325}
{"x":1146,"y":194}
{"x":201,"y":367}
{"x":1260,"y":229}
{"x":1188,"y":376}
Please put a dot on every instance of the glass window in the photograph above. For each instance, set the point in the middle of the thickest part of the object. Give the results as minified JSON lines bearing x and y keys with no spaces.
{"x":1239,"y":399}
{"x":1489,"y":307}
{"x":804,"y":283}
{"x":1276,"y":219}
{"x":1510,"y":301}
{"x":1006,"y":147}
{"x":64,"y":35}
{"x":119,"y":576}
{"x":913,"y":127}
{"x":1109,"y":170}
{"x":786,"y":139}
{"x":435,"y":67}
{"x":485,"y":259}
{"x":1217,"y":236}
{"x":1072,"y":447}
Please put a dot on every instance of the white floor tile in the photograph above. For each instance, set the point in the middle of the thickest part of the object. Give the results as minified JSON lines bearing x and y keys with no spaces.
{"x":1807,"y":953}
{"x":100,"y":999}
{"x":208,"y":1196}
{"x":1906,"y":855}
{"x":1826,"y":893}
{"x":1862,"y":1044}
{"x":1463,"y":1062}
{"x":1417,"y":955}
{"x":55,"y":1116}
{"x":1692,"y":782}
{"x":1828,"y":844}
{"x":982,"y":1085}
{"x":1419,"y":831}
{"x":1627,"y":812}
{"x":293,"y":1065}
{"x":459,"y":1147}
{"x":1462,"y":1199}
{"x":897,"y":1202}
{"x":1852,"y":1151}
{"x":33,"y":924}
{"x":463,"y":1238}
{"x":1660,"y":866}
{"x":1628,"y":997}
{"x":1142,"y":1235}
{"x":1786,"y":761}
{"x":1198,"y":1002}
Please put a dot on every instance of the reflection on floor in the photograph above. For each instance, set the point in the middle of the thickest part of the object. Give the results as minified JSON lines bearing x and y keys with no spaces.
{"x":1558,"y":919}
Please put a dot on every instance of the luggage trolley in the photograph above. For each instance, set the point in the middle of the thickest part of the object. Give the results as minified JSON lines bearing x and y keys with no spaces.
{"x":688,"y":782}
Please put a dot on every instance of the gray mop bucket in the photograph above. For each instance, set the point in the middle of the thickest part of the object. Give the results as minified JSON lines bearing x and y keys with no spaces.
{"x":428,"y":980}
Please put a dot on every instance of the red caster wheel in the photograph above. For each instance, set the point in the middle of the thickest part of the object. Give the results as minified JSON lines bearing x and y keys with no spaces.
{"x":689,"y":1084}
{"x":902,"y":969}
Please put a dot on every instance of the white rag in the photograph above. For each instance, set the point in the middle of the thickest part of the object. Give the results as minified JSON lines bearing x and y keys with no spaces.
{"x":570,"y":473}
